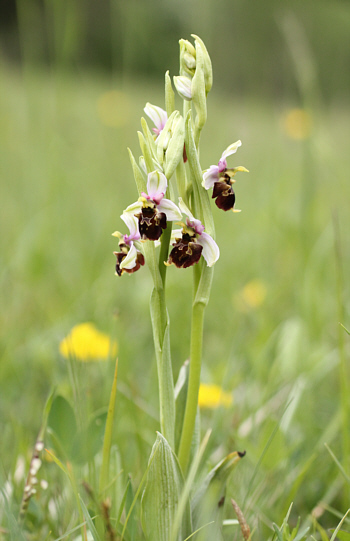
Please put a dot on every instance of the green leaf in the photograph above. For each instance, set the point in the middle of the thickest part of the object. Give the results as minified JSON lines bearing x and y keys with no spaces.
{"x":345,"y":329}
{"x":138,"y":176}
{"x":149,"y":138}
{"x":335,"y":533}
{"x":162,"y":494}
{"x":146,"y":152}
{"x":88,"y":443}
{"x":89,"y":521}
{"x":129,"y":504}
{"x":207,"y":502}
{"x":342,"y":535}
{"x":169,"y":95}
{"x":62,"y":421}
{"x":122,"y":503}
{"x":278,"y":532}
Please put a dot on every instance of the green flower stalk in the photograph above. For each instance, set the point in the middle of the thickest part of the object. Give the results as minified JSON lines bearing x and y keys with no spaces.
{"x":169,"y":163}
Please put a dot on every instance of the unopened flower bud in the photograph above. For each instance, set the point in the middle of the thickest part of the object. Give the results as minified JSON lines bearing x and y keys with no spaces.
{"x":207,"y":67}
{"x":183,"y":86}
{"x":187,"y":58}
{"x":170,"y":144}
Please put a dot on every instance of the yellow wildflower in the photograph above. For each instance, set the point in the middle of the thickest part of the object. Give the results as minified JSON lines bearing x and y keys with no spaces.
{"x":298,"y":124}
{"x":212,"y":396}
{"x":86,"y":343}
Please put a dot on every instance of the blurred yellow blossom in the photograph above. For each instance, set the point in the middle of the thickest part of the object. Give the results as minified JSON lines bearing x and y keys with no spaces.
{"x":86,"y":343}
{"x":113,"y":108}
{"x":297,"y":124}
{"x":212,"y":396}
{"x":251,"y":296}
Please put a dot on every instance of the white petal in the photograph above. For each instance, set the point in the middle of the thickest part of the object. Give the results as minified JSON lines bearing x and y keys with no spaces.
{"x":231,"y":149}
{"x":132,"y":209}
{"x":156,"y":185}
{"x":132,"y":223}
{"x":211,"y":250}
{"x":157,"y":115}
{"x":129,"y":261}
{"x":210,"y":177}
{"x":169,"y":208}
{"x":184,"y":209}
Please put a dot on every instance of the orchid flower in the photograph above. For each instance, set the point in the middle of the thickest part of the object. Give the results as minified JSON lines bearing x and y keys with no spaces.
{"x":220,"y":178}
{"x":129,"y":259}
{"x":191,"y":242}
{"x":152,"y":210}
{"x":158,"y":117}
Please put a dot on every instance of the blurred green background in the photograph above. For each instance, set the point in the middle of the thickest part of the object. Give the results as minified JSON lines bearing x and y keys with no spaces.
{"x":74,"y":78}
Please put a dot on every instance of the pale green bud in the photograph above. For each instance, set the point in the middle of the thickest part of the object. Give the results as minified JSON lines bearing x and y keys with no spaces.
{"x":169,"y":95}
{"x":207,"y":67}
{"x":170,"y":144}
{"x":198,"y":89}
{"x":187,"y":58}
{"x":183,"y":86}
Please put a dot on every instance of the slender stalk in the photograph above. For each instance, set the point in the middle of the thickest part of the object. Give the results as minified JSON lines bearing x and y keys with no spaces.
{"x":161,"y":338}
{"x":343,"y":370}
{"x":193,"y":384}
{"x":107,"y":441}
{"x":164,"y":251}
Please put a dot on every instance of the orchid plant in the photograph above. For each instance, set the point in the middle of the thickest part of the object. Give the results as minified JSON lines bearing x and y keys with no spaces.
{"x":172,"y":187}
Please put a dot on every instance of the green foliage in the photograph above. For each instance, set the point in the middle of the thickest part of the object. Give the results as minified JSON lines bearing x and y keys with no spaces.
{"x":71,"y":443}
{"x":209,"y":498}
{"x":162,"y":493}
{"x":60,"y":165}
{"x":284,"y":533}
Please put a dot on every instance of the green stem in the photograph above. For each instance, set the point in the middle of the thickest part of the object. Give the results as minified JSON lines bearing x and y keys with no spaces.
{"x":161,"y":337}
{"x":343,"y":370}
{"x":193,"y":384}
{"x":164,"y":251}
{"x":107,"y":441}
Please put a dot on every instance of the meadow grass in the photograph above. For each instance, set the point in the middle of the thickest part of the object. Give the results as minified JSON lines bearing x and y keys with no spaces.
{"x":271,"y":329}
